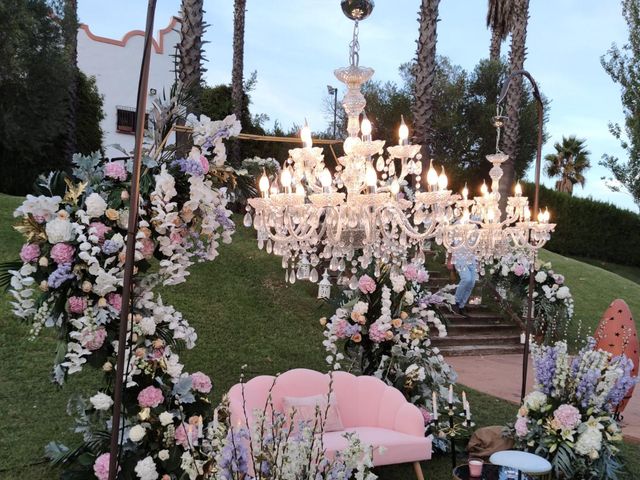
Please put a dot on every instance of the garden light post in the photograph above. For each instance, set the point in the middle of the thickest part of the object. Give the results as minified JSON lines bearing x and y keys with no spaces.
{"x":528,"y":320}
{"x":334,"y":91}
{"x":132,"y":230}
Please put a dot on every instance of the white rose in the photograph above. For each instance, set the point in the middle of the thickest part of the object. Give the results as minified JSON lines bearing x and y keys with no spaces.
{"x":137,"y":433}
{"x":563,"y":292}
{"x":95,"y":205}
{"x":166,"y":418}
{"x":535,"y":400}
{"x":146,"y":469}
{"x":147,"y":326}
{"x":541,"y":277}
{"x":59,"y":230}
{"x":101,"y":401}
{"x":163,"y":455}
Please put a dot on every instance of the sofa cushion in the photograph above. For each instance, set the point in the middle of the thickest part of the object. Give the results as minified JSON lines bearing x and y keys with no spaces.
{"x":397,"y":447}
{"x":305,"y":410}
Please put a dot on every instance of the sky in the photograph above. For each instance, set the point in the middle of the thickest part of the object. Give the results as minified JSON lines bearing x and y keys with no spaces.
{"x":294,"y":45}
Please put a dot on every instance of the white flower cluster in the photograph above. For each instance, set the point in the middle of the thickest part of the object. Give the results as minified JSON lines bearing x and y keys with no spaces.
{"x":209,"y":134}
{"x":41,"y":207}
{"x":589,"y":441}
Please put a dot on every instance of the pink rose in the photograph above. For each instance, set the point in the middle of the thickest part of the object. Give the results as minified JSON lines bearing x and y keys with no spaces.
{"x":521,"y":426}
{"x":101,"y":467}
{"x":92,"y":339}
{"x":116,"y":170}
{"x":30,"y":252}
{"x":147,"y":247}
{"x":99,"y":229}
{"x":568,"y":416}
{"x":186,"y":434}
{"x":150,"y":397}
{"x":115,"y":300}
{"x":204,"y":163}
{"x":426,"y":415}
{"x":366,"y":284}
{"x":77,"y":304}
{"x":201,"y":382}
{"x":519,"y":270}
{"x":62,"y":253}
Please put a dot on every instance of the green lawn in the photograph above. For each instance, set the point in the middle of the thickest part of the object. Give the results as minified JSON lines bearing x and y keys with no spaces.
{"x":627,"y":271}
{"x":244,"y":313}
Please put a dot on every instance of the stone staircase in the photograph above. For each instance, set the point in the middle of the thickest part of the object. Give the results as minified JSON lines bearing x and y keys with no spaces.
{"x":482,"y":331}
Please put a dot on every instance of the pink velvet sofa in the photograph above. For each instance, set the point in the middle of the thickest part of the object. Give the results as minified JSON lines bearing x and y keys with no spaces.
{"x":377,"y":413}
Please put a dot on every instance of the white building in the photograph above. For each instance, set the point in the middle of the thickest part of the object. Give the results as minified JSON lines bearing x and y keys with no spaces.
{"x":116,"y":66}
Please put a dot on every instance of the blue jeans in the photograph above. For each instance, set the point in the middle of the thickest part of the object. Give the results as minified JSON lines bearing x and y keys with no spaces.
{"x":467,"y":273}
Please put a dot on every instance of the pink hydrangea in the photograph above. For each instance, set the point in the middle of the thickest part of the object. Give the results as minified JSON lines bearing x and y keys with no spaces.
{"x":426,"y":415}
{"x":366,"y":284}
{"x":201,"y":382}
{"x":150,"y":397}
{"x":62,"y":253}
{"x":186,"y":434}
{"x":339,"y":328}
{"x":77,"y":304}
{"x":521,"y":426}
{"x":116,"y":170}
{"x":101,"y":467}
{"x":99,"y":230}
{"x":414,"y":273}
{"x":568,"y":416}
{"x":559,"y":279}
{"x":115,"y":300}
{"x":92,"y":339}
{"x":30,"y":252}
{"x":519,"y":269}
{"x":376,"y":333}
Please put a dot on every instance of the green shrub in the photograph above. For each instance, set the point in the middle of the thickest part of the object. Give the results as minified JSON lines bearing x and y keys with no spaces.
{"x":589,"y":228}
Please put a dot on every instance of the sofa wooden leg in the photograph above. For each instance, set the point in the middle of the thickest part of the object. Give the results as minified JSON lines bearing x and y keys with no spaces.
{"x":418,"y":470}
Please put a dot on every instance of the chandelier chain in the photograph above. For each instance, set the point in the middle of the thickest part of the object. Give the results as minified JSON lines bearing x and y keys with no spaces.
{"x":354,"y":46}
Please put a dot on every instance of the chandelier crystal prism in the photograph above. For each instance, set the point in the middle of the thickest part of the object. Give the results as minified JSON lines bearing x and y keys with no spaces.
{"x":373,"y":207}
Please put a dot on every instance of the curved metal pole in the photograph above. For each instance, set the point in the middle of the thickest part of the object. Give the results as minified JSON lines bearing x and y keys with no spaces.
{"x":540,"y":105}
{"x":132,"y":229}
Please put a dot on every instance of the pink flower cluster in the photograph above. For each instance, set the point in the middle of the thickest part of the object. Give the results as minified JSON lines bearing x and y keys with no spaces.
{"x":340,"y":328}
{"x":92,"y":339}
{"x":101,"y":467}
{"x":147,"y":247}
{"x":201,"y":382}
{"x":150,"y":397}
{"x":99,"y":229}
{"x":519,"y":270}
{"x":62,"y":253}
{"x":116,"y":170}
{"x":115,"y":300}
{"x":376,"y":334}
{"x":186,"y":434}
{"x":521,"y":426}
{"x":366,"y":284}
{"x":426,"y":415}
{"x":414,"y":273}
{"x":29,"y":252}
{"x":77,"y":304}
{"x":568,"y":416}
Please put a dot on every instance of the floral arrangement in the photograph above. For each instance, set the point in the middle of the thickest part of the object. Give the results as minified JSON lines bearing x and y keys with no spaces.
{"x":552,"y":299}
{"x":569,"y":416}
{"x":70,"y":279}
{"x":256,"y":166}
{"x":384,"y":325}
{"x":278,"y":447}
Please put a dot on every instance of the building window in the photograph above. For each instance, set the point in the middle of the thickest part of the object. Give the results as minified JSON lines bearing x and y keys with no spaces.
{"x":126,"y":119}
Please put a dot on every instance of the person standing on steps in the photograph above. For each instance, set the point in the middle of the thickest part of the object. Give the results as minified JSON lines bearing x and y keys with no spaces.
{"x":464,"y":262}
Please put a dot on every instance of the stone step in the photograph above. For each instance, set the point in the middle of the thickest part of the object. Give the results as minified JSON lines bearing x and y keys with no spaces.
{"x":464,"y":350}
{"x":480,"y":315}
{"x":482,"y":329}
{"x":483,"y":340}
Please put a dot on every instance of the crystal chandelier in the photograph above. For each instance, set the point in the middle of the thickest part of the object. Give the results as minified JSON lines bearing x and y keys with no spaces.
{"x":373,"y":208}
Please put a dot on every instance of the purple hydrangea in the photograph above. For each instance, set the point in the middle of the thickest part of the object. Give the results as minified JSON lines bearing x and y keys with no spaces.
{"x":110,"y":247}
{"x":188,"y":166}
{"x":60,"y":275}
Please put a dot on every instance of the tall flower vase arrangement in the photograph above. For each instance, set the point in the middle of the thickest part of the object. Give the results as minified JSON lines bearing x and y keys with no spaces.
{"x":569,"y":416}
{"x":70,"y":280}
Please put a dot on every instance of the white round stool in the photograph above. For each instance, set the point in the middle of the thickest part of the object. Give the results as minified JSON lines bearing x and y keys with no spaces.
{"x":528,"y":463}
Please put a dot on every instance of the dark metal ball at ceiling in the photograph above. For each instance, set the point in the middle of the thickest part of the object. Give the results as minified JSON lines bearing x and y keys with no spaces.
{"x":357,"y":9}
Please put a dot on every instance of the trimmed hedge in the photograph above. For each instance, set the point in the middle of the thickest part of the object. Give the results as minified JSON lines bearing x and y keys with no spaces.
{"x":589,"y":228}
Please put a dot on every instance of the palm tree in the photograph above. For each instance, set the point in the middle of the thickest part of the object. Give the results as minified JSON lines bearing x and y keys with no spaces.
{"x":569,"y":163}
{"x":425,"y":75}
{"x":190,"y":47}
{"x":517,"y":54}
{"x":498,"y":20}
{"x":237,"y":83}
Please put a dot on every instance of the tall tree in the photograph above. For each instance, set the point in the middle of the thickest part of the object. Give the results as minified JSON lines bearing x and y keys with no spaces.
{"x":70,"y":31}
{"x":569,"y":163}
{"x":190,"y":47}
{"x":237,"y":84}
{"x":517,"y":54}
{"x":498,"y":21}
{"x":623,"y":66}
{"x":425,"y":75}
